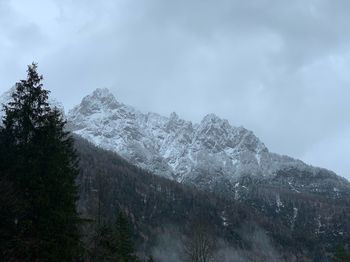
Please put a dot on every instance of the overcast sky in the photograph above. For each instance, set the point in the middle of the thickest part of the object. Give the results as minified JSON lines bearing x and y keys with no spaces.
{"x":279,"y":68}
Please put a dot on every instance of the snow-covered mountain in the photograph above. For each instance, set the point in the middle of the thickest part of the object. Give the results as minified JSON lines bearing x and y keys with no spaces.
{"x":211,"y":154}
{"x":206,"y":154}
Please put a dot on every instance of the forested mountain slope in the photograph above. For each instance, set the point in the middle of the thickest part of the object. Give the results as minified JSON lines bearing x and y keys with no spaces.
{"x":264,"y":222}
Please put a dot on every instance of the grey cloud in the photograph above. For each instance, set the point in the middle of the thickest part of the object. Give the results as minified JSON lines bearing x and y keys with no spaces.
{"x":276,"y":67}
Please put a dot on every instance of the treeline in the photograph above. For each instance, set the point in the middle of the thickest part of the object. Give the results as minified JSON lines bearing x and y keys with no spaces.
{"x":155,"y":204}
{"x":159,"y":208}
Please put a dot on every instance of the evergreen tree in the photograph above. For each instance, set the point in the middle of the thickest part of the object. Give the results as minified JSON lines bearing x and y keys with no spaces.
{"x":8,"y":206}
{"x":341,"y":255}
{"x":104,"y":248}
{"x":38,"y":161}
{"x":124,"y":245}
{"x":113,"y":243}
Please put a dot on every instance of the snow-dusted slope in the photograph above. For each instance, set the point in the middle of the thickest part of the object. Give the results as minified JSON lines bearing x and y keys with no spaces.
{"x":211,"y":154}
{"x":172,"y":147}
{"x":6,"y":97}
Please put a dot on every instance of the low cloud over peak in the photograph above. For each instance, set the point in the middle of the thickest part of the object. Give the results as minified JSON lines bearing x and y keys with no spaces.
{"x":276,"y":67}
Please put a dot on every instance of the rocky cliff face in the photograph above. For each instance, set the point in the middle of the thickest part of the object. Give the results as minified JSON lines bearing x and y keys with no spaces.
{"x":209,"y":154}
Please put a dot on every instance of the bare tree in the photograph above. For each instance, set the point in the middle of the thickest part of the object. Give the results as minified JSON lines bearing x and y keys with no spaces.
{"x":200,"y":246}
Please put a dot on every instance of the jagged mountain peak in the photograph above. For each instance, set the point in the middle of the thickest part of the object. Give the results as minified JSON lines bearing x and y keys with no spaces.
{"x":174,"y":117}
{"x":99,"y":99}
{"x":103,"y":95}
{"x":169,"y":146}
{"x":212,"y":118}
{"x":212,"y":122}
{"x":206,"y":154}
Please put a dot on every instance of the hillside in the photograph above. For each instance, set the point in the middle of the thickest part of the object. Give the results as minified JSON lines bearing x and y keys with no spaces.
{"x":293,"y":227}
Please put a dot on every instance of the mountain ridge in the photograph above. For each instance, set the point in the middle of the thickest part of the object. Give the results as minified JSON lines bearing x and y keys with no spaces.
{"x":204,"y":154}
{"x":208,"y":154}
